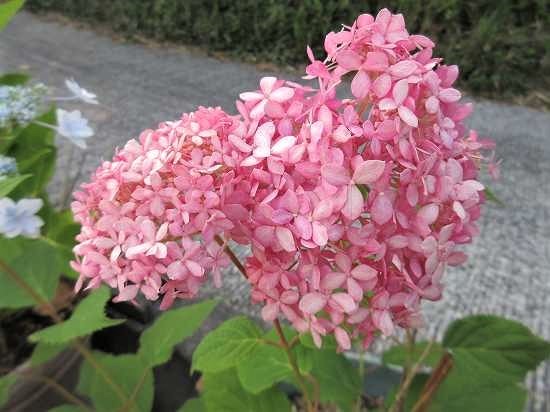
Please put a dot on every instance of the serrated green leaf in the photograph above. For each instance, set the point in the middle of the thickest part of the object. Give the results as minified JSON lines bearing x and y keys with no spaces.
{"x":44,"y":352}
{"x":8,"y":184}
{"x":338,"y":379}
{"x":170,"y":328}
{"x":14,"y":79}
{"x":223,"y":392}
{"x":128,"y":371}
{"x":474,"y":386}
{"x":8,"y":10}
{"x":5,"y":383}
{"x":226,"y":345}
{"x":504,"y":344}
{"x":262,"y":368}
{"x":193,"y":405}
{"x":399,"y":354}
{"x":37,"y":262}
{"x":88,"y":317}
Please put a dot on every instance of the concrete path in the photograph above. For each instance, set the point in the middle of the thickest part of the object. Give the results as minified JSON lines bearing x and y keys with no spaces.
{"x":509,"y":268}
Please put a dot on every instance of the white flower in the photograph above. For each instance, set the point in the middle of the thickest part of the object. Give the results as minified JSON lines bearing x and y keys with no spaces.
{"x":18,"y":218}
{"x":74,"y":127}
{"x":80,"y":93}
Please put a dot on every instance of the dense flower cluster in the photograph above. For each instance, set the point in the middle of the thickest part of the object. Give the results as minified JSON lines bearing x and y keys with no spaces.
{"x":20,"y":104}
{"x":352,"y":206}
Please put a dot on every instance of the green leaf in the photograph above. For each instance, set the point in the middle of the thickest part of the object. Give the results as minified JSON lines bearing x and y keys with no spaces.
{"x":227,"y":345}
{"x":35,"y":152}
{"x":88,"y":317}
{"x":474,"y":386}
{"x":5,"y":383}
{"x":9,"y":183}
{"x":8,"y":10}
{"x":504,"y":344}
{"x":126,"y":371}
{"x":157,"y":342}
{"x":338,"y":379}
{"x":14,"y":79}
{"x":398,"y":355}
{"x":262,"y":368}
{"x":193,"y":405}
{"x":43,"y":352}
{"x":223,"y":392}
{"x":37,"y":262}
{"x":61,"y":230}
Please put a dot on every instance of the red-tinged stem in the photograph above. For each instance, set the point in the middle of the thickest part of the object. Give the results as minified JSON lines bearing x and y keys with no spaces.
{"x":432,"y":385}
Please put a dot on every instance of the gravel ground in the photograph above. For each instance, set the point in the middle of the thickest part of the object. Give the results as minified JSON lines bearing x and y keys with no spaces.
{"x":508,"y":271}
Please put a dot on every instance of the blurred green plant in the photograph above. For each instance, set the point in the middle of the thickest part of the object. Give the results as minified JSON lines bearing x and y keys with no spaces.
{"x":503,"y":47}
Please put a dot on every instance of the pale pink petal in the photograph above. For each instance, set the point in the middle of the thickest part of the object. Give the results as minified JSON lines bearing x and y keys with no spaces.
{"x":369,"y":171}
{"x":133,"y":251}
{"x":283,"y":144}
{"x":267,"y":83}
{"x":285,"y":238}
{"x":270,"y":311}
{"x":195,"y":269}
{"x":382,"y":85}
{"x":342,"y":338}
{"x":432,"y":104}
{"x":264,"y":134}
{"x":333,"y":280}
{"x":303,"y":225}
{"x":345,"y":301}
{"x":408,"y":116}
{"x":382,"y":209}
{"x":250,"y":161}
{"x":449,"y":95}
{"x":382,"y":320}
{"x":354,"y":203}
{"x":428,"y":214}
{"x":348,"y":59}
{"x":335,"y":174}
{"x":364,"y":272}
{"x":360,"y":85}
{"x":403,"y":68}
{"x":258,"y":110}
{"x":282,"y":94}
{"x":322,"y":210}
{"x":376,"y":61}
{"x":126,"y":294}
{"x":239,"y":143}
{"x":400,"y":91}
{"x":251,"y":96}
{"x":320,"y":234}
{"x":312,"y":303}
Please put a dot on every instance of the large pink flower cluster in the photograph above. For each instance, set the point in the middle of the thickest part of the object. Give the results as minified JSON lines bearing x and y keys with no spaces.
{"x":352,"y":206}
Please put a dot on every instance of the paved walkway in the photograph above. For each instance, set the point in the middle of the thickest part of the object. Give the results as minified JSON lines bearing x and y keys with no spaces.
{"x":509,"y":268}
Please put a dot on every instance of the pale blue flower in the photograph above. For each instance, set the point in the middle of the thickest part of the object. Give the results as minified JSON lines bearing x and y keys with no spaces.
{"x":19,"y":218}
{"x":80,"y":93}
{"x":20,"y":104}
{"x":8,"y":166}
{"x":74,"y":127}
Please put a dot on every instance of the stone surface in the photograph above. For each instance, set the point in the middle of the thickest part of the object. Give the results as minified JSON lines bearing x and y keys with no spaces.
{"x":508,"y":272}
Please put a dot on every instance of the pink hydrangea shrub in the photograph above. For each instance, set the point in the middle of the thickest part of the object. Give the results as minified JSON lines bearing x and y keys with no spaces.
{"x":352,"y":207}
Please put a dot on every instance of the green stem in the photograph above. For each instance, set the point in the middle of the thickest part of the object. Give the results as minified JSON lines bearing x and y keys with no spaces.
{"x":311,"y":406}
{"x":52,"y":313}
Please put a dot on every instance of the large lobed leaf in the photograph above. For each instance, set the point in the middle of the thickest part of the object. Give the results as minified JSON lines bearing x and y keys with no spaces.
{"x":170,"y":328}
{"x":223,"y":392}
{"x":129,"y":372}
{"x":227,"y":345}
{"x":88,"y":317}
{"x":35,"y":261}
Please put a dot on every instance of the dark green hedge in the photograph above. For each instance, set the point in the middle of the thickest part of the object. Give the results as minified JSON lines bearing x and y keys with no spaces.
{"x":502,"y":46}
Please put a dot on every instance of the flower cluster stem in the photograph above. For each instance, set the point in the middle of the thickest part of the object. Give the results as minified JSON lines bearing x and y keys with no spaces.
{"x":52,"y":313}
{"x":300,"y":379}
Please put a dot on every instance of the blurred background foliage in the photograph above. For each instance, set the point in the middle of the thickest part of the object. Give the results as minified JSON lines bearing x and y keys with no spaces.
{"x":502,"y":46}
